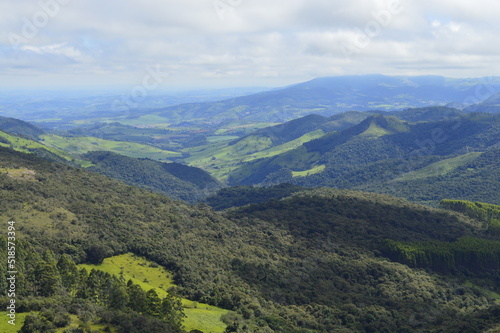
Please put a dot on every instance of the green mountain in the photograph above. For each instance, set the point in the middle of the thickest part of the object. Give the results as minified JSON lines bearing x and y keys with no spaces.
{"x":369,"y":134}
{"x":175,"y":180}
{"x":383,"y":154}
{"x":472,"y":176}
{"x":296,"y":128}
{"x":20,"y":128}
{"x":244,"y":195}
{"x":311,"y":262}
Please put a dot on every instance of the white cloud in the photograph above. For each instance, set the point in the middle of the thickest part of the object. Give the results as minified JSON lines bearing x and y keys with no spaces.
{"x":55,"y":49}
{"x":256,"y":42}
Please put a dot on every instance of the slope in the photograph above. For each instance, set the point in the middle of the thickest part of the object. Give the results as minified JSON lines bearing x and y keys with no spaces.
{"x":20,"y":128}
{"x":26,"y":145}
{"x":380,"y":151}
{"x":359,"y":144}
{"x":175,"y":180}
{"x":308,"y":263}
{"x":474,"y":178}
{"x":490,"y":105}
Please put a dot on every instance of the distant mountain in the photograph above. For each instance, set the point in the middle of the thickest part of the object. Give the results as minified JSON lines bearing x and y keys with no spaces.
{"x":382,"y":148}
{"x":329,"y":95}
{"x":491,"y":105}
{"x":175,"y":180}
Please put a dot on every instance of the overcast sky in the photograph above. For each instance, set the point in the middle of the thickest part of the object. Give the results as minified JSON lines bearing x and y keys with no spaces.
{"x":223,"y":43}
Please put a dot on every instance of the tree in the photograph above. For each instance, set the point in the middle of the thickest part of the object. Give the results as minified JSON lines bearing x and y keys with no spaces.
{"x":97,"y":253}
{"x":153,"y":303}
{"x":47,"y":279}
{"x":35,"y":323}
{"x":69,"y":274}
{"x":172,"y":311}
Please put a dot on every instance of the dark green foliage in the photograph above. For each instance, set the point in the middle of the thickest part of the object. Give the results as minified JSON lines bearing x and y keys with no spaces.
{"x":244,"y":195}
{"x":97,"y":253}
{"x":172,"y":179}
{"x":46,"y":278}
{"x":4,"y":140}
{"x":49,"y":156}
{"x":35,"y":323}
{"x":70,"y":277}
{"x":466,"y":253}
{"x":134,"y":322}
{"x":480,"y":321}
{"x":476,"y":180}
{"x":346,"y":216}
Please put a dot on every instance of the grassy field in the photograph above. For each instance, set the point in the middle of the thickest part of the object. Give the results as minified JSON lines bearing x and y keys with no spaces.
{"x":219,"y":159}
{"x":82,"y":145}
{"x":235,"y":126}
{"x":142,"y":272}
{"x":374,"y":130}
{"x":23,"y":145}
{"x":5,"y":327}
{"x":313,"y":171}
{"x":439,"y":168}
{"x":149,"y":275}
{"x":76,"y":322}
{"x":151,"y":119}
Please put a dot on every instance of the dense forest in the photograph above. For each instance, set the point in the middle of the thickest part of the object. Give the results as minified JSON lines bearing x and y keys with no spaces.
{"x":175,"y":180}
{"x":297,"y":261}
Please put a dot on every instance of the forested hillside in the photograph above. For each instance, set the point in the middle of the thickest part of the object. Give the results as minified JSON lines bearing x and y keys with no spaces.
{"x":311,"y":262}
{"x":175,"y":180}
{"x":424,"y":161}
{"x":19,"y":127}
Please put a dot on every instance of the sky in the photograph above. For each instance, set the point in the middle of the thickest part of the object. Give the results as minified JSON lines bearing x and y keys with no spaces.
{"x":166,"y":44}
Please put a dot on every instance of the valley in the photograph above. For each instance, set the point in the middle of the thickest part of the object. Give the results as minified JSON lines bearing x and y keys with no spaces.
{"x":353,"y":204}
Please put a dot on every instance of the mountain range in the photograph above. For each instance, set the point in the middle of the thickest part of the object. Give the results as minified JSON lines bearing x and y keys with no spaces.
{"x":386,"y":154}
{"x":329,"y":95}
{"x":351,"y":204}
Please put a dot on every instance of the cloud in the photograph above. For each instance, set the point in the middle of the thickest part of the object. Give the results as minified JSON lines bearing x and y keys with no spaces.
{"x":257,"y":42}
{"x":62,"y":50}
